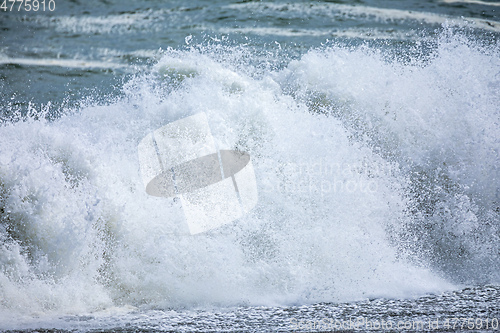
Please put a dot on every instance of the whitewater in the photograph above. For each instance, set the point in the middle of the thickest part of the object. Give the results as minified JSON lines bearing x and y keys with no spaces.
{"x":377,"y":178}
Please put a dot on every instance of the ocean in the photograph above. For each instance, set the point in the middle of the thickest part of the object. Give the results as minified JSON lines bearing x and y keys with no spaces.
{"x":373,"y":129}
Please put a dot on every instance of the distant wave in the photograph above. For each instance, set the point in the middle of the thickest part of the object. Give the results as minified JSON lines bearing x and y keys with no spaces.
{"x":376,"y":178}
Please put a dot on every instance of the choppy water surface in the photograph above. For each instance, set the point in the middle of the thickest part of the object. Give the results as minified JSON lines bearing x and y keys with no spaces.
{"x":373,"y":129}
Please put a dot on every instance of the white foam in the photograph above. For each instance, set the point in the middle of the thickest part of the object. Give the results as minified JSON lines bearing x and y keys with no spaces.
{"x":68,"y":63}
{"x":107,"y":24}
{"x":435,"y":121}
{"x":475,"y":2}
{"x":366,"y":13}
{"x":323,"y":228}
{"x":328,"y":33}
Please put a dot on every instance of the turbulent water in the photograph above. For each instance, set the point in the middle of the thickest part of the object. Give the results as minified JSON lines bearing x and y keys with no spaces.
{"x":373,"y":129}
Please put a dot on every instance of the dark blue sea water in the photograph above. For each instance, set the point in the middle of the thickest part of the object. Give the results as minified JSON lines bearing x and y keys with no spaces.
{"x":374,"y":133}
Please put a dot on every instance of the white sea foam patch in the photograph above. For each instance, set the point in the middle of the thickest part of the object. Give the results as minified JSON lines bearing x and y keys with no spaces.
{"x":138,"y":53}
{"x":366,"y":34}
{"x":81,"y":234}
{"x":107,"y":56}
{"x":68,"y":63}
{"x":440,"y":110}
{"x":50,"y":252}
{"x":440,"y":124}
{"x":289,"y":32}
{"x":111,"y":24}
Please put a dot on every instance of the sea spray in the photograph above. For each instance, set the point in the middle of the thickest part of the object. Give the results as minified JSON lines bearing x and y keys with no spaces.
{"x":439,"y":124}
{"x":80,"y":234}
